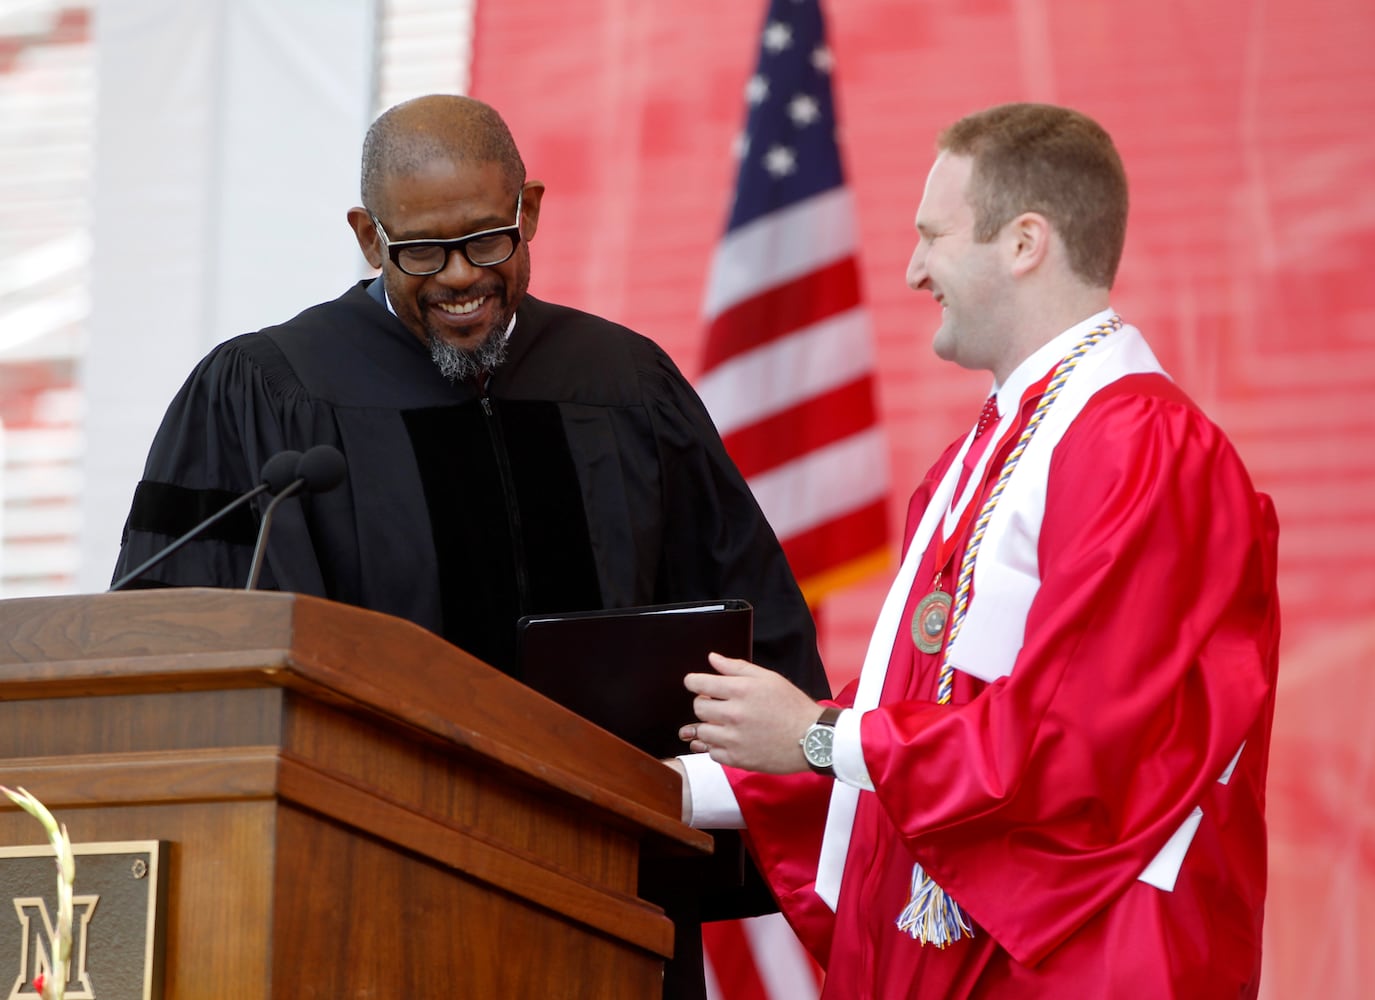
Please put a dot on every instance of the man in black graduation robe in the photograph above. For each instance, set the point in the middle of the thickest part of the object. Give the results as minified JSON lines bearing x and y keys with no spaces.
{"x":586,"y":474}
{"x":578,"y":472}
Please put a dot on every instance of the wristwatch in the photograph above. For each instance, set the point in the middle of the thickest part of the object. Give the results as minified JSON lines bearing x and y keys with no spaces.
{"x":818,"y":741}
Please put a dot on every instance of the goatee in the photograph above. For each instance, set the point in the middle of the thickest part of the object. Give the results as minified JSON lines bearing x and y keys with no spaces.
{"x":458,"y":365}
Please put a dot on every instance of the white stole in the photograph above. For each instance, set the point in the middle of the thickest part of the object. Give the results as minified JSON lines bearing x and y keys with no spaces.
{"x":1006,"y":576}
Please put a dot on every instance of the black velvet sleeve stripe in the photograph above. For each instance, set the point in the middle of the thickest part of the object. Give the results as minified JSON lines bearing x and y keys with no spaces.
{"x":174,"y":510}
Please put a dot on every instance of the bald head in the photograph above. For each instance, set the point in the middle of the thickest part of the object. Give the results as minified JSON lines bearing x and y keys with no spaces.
{"x":411,"y":135}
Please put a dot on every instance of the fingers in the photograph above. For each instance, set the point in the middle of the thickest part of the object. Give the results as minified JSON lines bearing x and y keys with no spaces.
{"x":730,"y":666}
{"x":707,"y":684}
{"x":689,"y":735}
{"x":734,"y":709}
{"x":718,"y":685}
{"x":701,"y":732}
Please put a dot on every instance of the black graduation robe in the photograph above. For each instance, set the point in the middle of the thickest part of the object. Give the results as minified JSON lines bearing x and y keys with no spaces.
{"x":587,"y":474}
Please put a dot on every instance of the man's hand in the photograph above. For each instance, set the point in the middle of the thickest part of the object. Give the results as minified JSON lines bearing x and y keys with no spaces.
{"x":750,"y":717}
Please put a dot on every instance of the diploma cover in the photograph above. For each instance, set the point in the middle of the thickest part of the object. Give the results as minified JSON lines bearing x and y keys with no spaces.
{"x":623,"y":669}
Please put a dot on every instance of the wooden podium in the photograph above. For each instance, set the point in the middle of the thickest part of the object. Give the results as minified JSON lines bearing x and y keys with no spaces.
{"x":353,"y":807}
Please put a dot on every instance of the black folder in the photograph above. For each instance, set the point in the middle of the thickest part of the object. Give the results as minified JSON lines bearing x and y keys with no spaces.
{"x":623,"y":668}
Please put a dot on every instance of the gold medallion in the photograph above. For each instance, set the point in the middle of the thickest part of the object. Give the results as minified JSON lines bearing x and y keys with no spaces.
{"x":929,"y":620}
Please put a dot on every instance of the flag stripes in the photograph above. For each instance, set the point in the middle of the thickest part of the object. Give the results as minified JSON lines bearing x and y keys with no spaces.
{"x":758,"y":959}
{"x":750,"y":386}
{"x":825,"y":554}
{"x":802,"y":427}
{"x":783,"y":309}
{"x":789,"y":380}
{"x":788,"y":377}
{"x":781,"y":246}
{"x":731,"y":970}
{"x":823,"y":484}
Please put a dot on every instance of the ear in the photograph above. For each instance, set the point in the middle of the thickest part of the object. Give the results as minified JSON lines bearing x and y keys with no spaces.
{"x":1029,"y":240}
{"x":531,"y":196}
{"x":366,"y":234}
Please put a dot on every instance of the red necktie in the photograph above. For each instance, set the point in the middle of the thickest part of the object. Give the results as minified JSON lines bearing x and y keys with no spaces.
{"x":988,"y":418}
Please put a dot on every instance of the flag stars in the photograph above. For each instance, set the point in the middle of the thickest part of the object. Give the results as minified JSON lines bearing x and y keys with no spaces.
{"x":777,"y":37}
{"x":803,"y":110}
{"x":756,"y":90}
{"x":780,"y":161}
{"x":822,"y":60}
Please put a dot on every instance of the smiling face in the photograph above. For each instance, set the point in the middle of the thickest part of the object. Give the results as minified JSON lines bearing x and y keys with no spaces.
{"x":968,"y":279}
{"x":965,"y":277}
{"x":463,"y":308}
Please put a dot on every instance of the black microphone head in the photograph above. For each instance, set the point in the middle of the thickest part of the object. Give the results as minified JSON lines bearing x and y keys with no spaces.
{"x":280,"y":470}
{"x":322,"y":468}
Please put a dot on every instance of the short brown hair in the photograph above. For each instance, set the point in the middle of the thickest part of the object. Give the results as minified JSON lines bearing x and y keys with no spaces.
{"x":1053,"y":161}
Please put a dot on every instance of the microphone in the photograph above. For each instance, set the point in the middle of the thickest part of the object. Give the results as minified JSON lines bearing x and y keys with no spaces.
{"x":319,"y":470}
{"x":276,"y":474}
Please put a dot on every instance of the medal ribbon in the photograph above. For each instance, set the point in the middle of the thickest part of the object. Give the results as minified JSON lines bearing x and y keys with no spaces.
{"x":1053,"y":383}
{"x":931,"y":916}
{"x":963,"y":505}
{"x":929,"y":633}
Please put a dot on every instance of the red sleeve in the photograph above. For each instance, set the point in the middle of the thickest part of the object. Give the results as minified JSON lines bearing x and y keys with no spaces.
{"x":785,"y":816}
{"x":1148,"y":659}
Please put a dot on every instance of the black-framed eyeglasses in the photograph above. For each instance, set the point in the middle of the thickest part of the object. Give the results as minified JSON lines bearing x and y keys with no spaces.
{"x":420,"y":258}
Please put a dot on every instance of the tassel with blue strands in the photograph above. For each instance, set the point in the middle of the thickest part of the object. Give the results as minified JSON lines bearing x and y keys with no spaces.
{"x":930,"y":915}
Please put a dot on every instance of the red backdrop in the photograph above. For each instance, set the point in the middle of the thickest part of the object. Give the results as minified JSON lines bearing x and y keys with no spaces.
{"x":1246,"y":132}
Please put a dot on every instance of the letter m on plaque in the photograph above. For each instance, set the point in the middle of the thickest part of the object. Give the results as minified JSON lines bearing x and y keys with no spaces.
{"x":37,"y":928}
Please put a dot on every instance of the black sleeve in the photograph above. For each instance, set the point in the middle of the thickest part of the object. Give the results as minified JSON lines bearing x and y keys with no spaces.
{"x":229,"y":417}
{"x":718,"y":539}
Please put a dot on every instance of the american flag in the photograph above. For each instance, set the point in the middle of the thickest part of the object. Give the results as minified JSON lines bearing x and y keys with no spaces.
{"x":789,"y":369}
{"x":789,"y":379}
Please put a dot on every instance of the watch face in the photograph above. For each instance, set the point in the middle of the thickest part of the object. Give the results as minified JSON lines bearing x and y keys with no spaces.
{"x":817,"y":745}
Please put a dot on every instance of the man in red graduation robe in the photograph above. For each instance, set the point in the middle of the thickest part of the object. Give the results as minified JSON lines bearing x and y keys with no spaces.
{"x":1049,"y":779}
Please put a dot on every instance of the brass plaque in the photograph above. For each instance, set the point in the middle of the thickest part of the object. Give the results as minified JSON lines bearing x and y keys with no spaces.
{"x":118,"y":906}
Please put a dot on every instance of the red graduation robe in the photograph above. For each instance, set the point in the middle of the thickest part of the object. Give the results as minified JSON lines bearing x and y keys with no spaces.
{"x":1036,"y":801}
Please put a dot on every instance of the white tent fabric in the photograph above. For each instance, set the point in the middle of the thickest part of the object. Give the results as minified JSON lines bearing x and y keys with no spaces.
{"x":226,"y":156}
